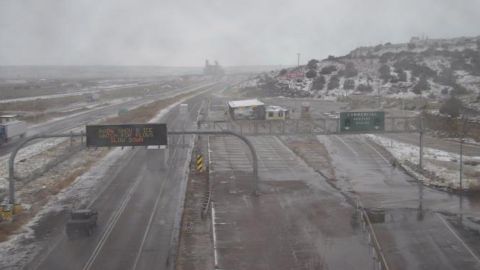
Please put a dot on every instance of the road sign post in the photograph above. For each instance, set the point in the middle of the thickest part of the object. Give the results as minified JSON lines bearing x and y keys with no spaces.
{"x":362,"y":121}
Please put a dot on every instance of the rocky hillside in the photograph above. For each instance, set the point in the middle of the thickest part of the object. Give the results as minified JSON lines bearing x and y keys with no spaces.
{"x":433,"y":69}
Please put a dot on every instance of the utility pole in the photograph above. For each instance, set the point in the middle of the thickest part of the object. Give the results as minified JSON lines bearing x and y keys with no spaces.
{"x":461,"y":163}
{"x":420,"y":159}
{"x":462,"y":141}
{"x":298,"y":59}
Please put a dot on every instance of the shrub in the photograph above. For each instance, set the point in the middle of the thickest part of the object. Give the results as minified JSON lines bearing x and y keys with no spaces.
{"x":350,"y":70}
{"x":458,"y":90}
{"x":311,"y":74}
{"x":328,"y":69}
{"x":364,"y":88}
{"x":312,"y":64}
{"x":349,"y":84}
{"x":384,"y":71}
{"x":446,"y":77}
{"x":319,"y":83}
{"x":421,"y":86}
{"x":333,"y":83}
{"x":452,"y":107}
{"x":402,"y":75}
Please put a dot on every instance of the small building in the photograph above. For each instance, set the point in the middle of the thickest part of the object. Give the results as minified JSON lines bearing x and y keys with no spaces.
{"x":276,"y":113}
{"x":246,"y":109}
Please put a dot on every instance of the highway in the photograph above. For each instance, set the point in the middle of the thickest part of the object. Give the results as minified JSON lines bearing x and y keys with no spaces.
{"x":414,"y":233}
{"x":298,"y":222}
{"x":67,"y":123}
{"x":138,"y":210}
{"x":301,"y":220}
{"x":416,"y":227}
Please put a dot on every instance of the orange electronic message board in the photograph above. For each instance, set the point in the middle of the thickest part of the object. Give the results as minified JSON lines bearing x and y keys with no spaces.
{"x":126,"y":135}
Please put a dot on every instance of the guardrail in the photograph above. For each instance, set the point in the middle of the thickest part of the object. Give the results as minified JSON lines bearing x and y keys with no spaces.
{"x":208,"y":195}
{"x":380,"y":262}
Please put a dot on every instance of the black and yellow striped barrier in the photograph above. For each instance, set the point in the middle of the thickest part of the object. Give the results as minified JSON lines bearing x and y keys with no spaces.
{"x":7,"y":211}
{"x":199,"y":164}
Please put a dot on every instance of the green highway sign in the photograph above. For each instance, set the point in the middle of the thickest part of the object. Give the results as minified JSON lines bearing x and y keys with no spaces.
{"x":362,"y":121}
{"x":126,"y":135}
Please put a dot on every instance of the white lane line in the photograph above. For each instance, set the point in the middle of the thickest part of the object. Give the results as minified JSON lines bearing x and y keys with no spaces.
{"x":149,"y":225}
{"x":458,"y":237}
{"x":104,"y":188}
{"x":111,"y":224}
{"x":376,"y":151}
{"x":154,"y":211}
{"x":348,"y":146}
{"x":62,"y":237}
{"x":214,"y":229}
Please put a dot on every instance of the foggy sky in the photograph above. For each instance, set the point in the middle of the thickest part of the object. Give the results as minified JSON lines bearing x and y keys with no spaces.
{"x":242,"y":32}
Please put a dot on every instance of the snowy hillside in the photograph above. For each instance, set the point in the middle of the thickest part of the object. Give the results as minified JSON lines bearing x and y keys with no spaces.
{"x":434,"y":69}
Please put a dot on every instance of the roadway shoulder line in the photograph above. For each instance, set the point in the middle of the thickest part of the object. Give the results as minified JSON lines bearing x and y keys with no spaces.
{"x":376,"y":151}
{"x":93,"y":200}
{"x":111,"y":224}
{"x":459,"y":239}
{"x":347,"y":145}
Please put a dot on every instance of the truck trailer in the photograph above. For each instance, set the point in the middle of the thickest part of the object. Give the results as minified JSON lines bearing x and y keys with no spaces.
{"x":12,"y":129}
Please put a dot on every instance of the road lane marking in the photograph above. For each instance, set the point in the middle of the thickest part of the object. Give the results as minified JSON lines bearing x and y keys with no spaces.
{"x":149,"y":225}
{"x":376,"y":151}
{"x":214,"y":230}
{"x":111,"y":224}
{"x":154,"y":210}
{"x":348,"y":146}
{"x":62,"y":237}
{"x":458,"y":237}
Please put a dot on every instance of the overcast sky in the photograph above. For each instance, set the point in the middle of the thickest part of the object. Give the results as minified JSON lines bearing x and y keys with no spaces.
{"x":242,"y":32}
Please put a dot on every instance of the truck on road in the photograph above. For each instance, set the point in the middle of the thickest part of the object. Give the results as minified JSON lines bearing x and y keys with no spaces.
{"x":81,"y":222}
{"x":12,"y":129}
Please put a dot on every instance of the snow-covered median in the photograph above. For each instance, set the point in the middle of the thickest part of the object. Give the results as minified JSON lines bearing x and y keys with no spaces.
{"x":440,"y":168}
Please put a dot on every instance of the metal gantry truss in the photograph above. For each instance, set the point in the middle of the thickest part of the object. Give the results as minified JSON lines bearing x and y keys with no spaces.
{"x":11,"y":161}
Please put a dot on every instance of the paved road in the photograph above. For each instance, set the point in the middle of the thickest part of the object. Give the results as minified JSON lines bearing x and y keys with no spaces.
{"x":298,"y":221}
{"x":138,"y":211}
{"x":80,"y":119}
{"x":412,"y":231}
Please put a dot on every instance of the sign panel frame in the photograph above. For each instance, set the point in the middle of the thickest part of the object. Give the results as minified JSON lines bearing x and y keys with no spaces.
{"x":126,"y":135}
{"x":362,"y":121}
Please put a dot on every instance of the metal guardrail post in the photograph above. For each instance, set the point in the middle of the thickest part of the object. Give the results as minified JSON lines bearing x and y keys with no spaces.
{"x":11,"y":160}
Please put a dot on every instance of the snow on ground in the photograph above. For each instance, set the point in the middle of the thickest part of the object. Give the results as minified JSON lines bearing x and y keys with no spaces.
{"x":444,"y":165}
{"x":21,"y":247}
{"x":23,"y":163}
{"x":109,"y":103}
